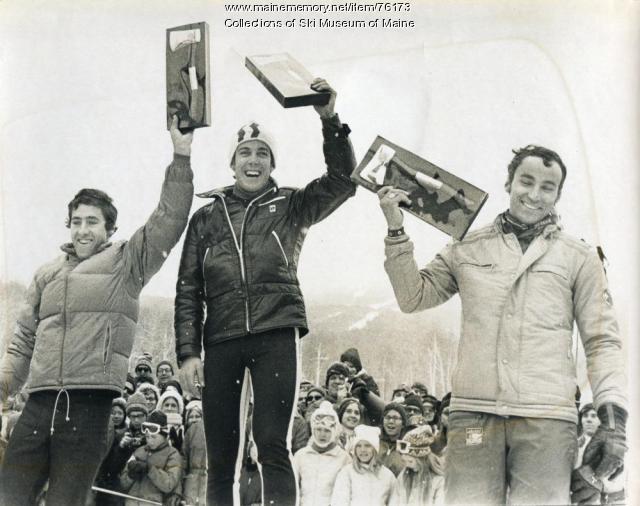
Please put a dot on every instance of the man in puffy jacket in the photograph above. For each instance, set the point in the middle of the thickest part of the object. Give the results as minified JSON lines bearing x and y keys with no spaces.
{"x":240,"y":261}
{"x":522,"y":283}
{"x":74,"y":336}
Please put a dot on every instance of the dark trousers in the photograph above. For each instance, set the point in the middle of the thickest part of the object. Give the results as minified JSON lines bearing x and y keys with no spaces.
{"x":69,"y":458}
{"x":272,"y":360}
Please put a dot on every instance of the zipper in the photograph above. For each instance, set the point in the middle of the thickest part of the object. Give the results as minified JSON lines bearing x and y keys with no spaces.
{"x":107,"y":342}
{"x":281,"y":248}
{"x":64,"y":325}
{"x":204,"y":278}
{"x":272,"y":200}
{"x":239,"y":249}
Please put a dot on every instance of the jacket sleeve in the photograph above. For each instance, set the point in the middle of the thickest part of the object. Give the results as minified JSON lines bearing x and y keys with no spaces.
{"x":598,"y":326}
{"x":16,"y":361}
{"x":167,"y":479}
{"x":416,"y":289}
{"x":324,"y":195}
{"x":126,"y":482}
{"x":342,"y":489}
{"x":149,"y":246}
{"x":189,"y":302}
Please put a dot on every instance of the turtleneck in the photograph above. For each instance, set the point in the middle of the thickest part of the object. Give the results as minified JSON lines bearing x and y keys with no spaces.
{"x":246,"y":196}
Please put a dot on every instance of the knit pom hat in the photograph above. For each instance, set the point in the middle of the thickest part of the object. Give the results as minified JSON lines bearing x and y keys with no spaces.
{"x":394,"y":406}
{"x":368,"y":434}
{"x":417,"y":442}
{"x":144,"y":359}
{"x":143,"y":387}
{"x":137,"y":402}
{"x":252,"y":132}
{"x":173,"y":395}
{"x":352,"y":356}
{"x":402,"y":387}
{"x":336,"y":368}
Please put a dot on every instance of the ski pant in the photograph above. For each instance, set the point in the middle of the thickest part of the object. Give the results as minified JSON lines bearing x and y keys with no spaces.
{"x":272,"y":361}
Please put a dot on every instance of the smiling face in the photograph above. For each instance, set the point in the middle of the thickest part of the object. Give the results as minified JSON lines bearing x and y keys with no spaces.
{"x":117,"y":415}
{"x":364,"y":452}
{"x":88,"y":230}
{"x":392,"y":423}
{"x":351,"y":416}
{"x":252,"y":166}
{"x":535,"y":189}
{"x":335,"y":383}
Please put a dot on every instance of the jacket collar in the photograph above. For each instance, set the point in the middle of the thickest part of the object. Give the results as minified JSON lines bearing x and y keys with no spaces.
{"x":68,"y":248}
{"x":227,"y":191}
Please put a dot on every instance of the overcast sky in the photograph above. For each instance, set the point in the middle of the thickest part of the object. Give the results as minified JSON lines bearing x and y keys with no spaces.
{"x":83,"y":105}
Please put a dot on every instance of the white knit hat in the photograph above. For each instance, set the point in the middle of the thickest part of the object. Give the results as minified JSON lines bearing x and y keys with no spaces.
{"x":325,"y":416}
{"x":173,"y":395}
{"x":368,"y":434}
{"x":252,"y":132}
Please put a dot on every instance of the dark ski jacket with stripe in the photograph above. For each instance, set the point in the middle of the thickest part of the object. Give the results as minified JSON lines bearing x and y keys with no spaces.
{"x":248,"y":283}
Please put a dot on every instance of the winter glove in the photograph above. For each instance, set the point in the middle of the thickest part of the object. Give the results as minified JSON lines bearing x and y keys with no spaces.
{"x":605,"y":451}
{"x":358,"y":388}
{"x":137,"y":469}
{"x":586,"y":487}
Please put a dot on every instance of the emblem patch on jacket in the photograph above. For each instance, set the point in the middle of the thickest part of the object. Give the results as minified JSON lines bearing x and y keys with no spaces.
{"x":272,"y":208}
{"x":474,"y":436}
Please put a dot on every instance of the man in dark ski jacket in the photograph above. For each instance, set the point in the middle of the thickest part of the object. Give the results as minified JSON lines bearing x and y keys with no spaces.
{"x":239,"y":262}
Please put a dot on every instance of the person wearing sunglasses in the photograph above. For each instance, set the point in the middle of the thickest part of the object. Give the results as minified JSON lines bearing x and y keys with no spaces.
{"x":155,"y":470}
{"x":142,"y":370}
{"x":315,"y":395}
{"x":525,"y":286}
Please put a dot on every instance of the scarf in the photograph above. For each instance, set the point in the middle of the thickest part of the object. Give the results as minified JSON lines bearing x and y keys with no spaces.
{"x":525,"y":233}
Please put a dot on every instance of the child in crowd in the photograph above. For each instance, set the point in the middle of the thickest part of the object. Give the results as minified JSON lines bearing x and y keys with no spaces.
{"x":155,"y":470}
{"x":318,"y":463}
{"x":194,"y":451}
{"x":421,"y":482}
{"x":365,"y":480}
{"x":172,"y":405}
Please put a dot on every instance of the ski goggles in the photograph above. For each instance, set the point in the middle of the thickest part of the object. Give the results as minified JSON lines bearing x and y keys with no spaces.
{"x":150,"y":428}
{"x":405,"y":447}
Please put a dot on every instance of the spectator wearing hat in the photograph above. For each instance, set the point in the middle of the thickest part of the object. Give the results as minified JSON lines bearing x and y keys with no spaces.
{"x":154,"y":472}
{"x":239,"y":261}
{"x":151,"y":395}
{"x":336,"y":382}
{"x":421,"y":482}
{"x":173,"y":384}
{"x":317,"y":464}
{"x":394,"y":423}
{"x":419,"y":388}
{"x":350,"y":415}
{"x":413,"y":407}
{"x":171,"y":404}
{"x":303,"y":388}
{"x":194,"y":450}
{"x":351,"y":359}
{"x":430,"y":405}
{"x":365,"y":481}
{"x":121,"y":450}
{"x":400,"y":392}
{"x":315,"y":396}
{"x":164,"y":372}
{"x":119,"y":416}
{"x":143,"y":371}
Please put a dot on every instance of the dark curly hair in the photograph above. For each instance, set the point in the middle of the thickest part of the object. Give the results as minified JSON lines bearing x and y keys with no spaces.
{"x":548,"y":156}
{"x":99,"y":199}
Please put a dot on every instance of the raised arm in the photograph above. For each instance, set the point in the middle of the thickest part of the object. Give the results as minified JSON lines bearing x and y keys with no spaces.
{"x":150,"y":245}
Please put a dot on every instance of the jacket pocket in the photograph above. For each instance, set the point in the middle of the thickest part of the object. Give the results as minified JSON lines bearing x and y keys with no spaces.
{"x":550,"y":268}
{"x":284,"y":255}
{"x":106,"y":346}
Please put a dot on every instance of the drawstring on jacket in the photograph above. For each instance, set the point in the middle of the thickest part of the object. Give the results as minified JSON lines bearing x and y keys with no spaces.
{"x":55,"y":405}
